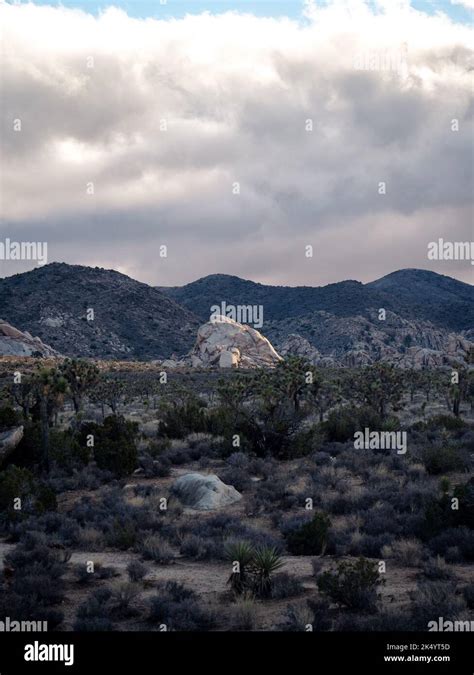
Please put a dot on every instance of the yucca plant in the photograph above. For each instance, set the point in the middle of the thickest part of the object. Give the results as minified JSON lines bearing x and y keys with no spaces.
{"x":266,"y":561}
{"x":241,"y":555}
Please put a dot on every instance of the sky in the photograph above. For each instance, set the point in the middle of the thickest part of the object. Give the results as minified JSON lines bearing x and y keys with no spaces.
{"x":234,"y":136}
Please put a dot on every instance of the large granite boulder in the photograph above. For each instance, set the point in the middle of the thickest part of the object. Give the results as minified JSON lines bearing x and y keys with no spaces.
{"x":229,"y":344}
{"x":204,"y":493}
{"x":14,"y":342}
{"x":297,"y":345}
{"x":9,"y":440}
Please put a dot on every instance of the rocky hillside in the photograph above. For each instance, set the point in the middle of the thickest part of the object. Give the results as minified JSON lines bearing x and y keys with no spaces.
{"x":327,"y":340}
{"x":429,"y":317}
{"x":412,"y":294}
{"x":130,"y":320}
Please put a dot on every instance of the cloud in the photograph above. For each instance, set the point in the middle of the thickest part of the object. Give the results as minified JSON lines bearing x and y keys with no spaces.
{"x":237,"y":140}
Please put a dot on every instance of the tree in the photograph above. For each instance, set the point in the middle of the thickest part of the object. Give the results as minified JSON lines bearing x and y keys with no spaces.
{"x":50,"y":387}
{"x":291,"y":378}
{"x":380,"y":387}
{"x":24,"y":394}
{"x":115,"y":447}
{"x":108,"y":391}
{"x":457,"y":392}
{"x":325,"y":394}
{"x":80,"y":376}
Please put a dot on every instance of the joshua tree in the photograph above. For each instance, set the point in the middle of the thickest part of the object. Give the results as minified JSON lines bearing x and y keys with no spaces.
{"x":50,"y":387}
{"x":24,"y":394}
{"x":291,"y":378}
{"x":81,"y":376}
{"x":380,"y":387}
{"x":108,"y":392}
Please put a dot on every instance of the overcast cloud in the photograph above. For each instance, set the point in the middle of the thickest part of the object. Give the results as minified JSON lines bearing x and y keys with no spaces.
{"x":235,"y":93}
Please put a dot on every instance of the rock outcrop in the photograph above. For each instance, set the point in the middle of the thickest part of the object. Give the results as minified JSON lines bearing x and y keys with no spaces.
{"x":229,"y":344}
{"x":14,"y":342}
{"x":9,"y":440}
{"x":362,"y":340}
{"x":204,"y":493}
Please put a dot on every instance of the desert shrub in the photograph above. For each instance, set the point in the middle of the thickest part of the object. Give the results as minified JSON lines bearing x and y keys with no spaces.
{"x":243,"y":614}
{"x":115,"y":447}
{"x":94,"y":613}
{"x":461,"y":538}
{"x":381,"y":519}
{"x":310,"y":538}
{"x":237,"y":477}
{"x":8,"y":417}
{"x":36,"y":497}
{"x":180,"y":419}
{"x":67,"y":451}
{"x":177,"y":456}
{"x":342,"y":423}
{"x":123,"y":597}
{"x":449,"y":422}
{"x":199,"y":548}
{"x":321,"y":616}
{"x":405,"y":552}
{"x":433,"y":599}
{"x":176,"y":607}
{"x":439,"y":513}
{"x":37,"y":571}
{"x":442,"y":459}
{"x":352,"y":584}
{"x":158,"y":447}
{"x":82,"y":574}
{"x":157,"y":549}
{"x":61,"y":530}
{"x":297,"y":619}
{"x":436,"y":569}
{"x":122,"y":535}
{"x":20,"y":606}
{"x":369,"y":545}
{"x":136,"y":571}
{"x":285,"y":585}
{"x":88,"y":477}
{"x":275,"y":492}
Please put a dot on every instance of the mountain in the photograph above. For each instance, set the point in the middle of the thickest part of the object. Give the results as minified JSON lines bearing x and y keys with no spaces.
{"x":426,"y":295}
{"x":131,"y":320}
{"x":429,"y":317}
{"x":412,"y":294}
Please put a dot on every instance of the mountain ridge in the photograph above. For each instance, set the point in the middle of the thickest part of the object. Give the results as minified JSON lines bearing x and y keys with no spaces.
{"x":135,"y":321}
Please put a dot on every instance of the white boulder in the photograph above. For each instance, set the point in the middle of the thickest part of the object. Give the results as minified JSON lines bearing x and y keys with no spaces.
{"x":229,"y":344}
{"x":204,"y":492}
{"x":14,"y":342}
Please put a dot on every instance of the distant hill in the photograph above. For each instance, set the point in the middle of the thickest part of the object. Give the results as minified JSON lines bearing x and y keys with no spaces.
{"x":434,"y":297}
{"x":131,"y":320}
{"x":412,"y":294}
{"x":135,"y":321}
